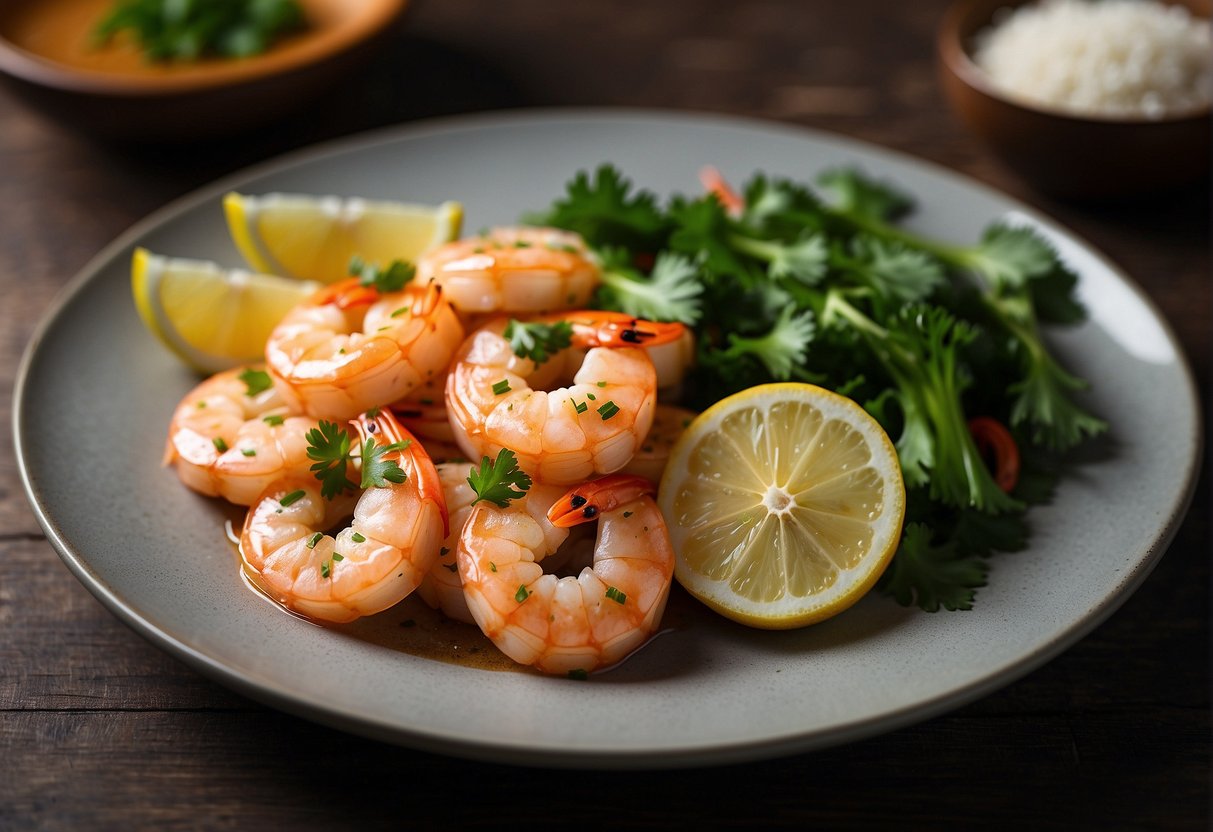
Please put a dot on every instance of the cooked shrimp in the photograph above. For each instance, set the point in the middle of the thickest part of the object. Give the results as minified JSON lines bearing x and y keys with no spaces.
{"x":650,"y":458}
{"x":391,"y":543}
{"x":513,"y":270}
{"x":572,"y":624}
{"x":568,"y":434}
{"x":441,"y":588}
{"x":349,"y":349}
{"x":423,"y":411}
{"x":672,"y":361}
{"x":229,"y":439}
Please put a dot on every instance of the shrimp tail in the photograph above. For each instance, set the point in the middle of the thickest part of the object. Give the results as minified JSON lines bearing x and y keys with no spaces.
{"x":346,"y":294}
{"x":615,"y":329}
{"x":583,"y":503}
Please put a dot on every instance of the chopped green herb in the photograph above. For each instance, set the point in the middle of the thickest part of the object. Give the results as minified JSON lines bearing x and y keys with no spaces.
{"x":579,"y":407}
{"x":326,"y":569}
{"x":219,"y":444}
{"x":591,"y":397}
{"x":616,"y":595}
{"x":492,"y":566}
{"x":255,"y":381}
{"x":248,"y":451}
{"x":338,"y":556}
{"x":499,"y":480}
{"x":392,"y":279}
{"x":292,"y":498}
{"x":538,"y":341}
{"x":357,"y":538}
{"x":396,"y":313}
{"x":165,"y":30}
{"x":314,"y":539}
{"x":602,"y":384}
{"x":501,"y":387}
{"x":377,"y":472}
{"x":522,"y":594}
{"x":273,"y":420}
{"x":608,"y":410}
{"x":329,"y":446}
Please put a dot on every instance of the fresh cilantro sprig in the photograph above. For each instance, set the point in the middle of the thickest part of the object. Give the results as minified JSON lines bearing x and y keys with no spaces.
{"x":499,"y":480}
{"x":186,"y":30}
{"x":377,"y":471}
{"x":538,"y":341}
{"x":329,"y":444}
{"x":822,"y":284}
{"x":670,"y":292}
{"x":395,"y":277}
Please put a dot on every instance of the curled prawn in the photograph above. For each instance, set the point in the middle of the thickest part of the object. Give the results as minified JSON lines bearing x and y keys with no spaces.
{"x":381,"y":557}
{"x":230,"y":439}
{"x":566,"y":434}
{"x":513,"y":270}
{"x":350,"y":348}
{"x":442,"y":588}
{"x":569,"y":625}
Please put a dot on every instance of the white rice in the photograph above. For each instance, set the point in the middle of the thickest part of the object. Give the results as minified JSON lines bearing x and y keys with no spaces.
{"x":1115,"y":58}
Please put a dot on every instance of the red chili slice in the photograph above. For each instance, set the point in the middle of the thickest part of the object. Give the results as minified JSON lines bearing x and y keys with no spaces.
{"x":994,"y":439}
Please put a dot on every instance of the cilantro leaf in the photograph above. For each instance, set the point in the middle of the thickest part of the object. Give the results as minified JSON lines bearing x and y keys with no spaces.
{"x":782,"y":349}
{"x":604,"y":210}
{"x":499,"y":480}
{"x":892,"y":269}
{"x":858,"y":195}
{"x":255,"y":381}
{"x":329,"y":445}
{"x":1009,"y":256}
{"x":395,"y":277}
{"x":538,"y":341}
{"x":377,"y":472}
{"x":932,"y":575}
{"x":671,"y":292}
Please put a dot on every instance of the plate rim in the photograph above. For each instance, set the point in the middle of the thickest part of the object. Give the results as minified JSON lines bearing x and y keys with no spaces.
{"x":278,"y":696}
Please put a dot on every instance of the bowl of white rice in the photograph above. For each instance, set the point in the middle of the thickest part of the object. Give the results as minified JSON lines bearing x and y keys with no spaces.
{"x":1085,"y":98}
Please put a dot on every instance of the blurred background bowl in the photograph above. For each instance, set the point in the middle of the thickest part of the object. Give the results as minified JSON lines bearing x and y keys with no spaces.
{"x":47,"y":59}
{"x":1070,"y":156}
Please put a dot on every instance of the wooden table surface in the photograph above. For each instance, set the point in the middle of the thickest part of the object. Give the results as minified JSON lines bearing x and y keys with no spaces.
{"x":98,"y":729}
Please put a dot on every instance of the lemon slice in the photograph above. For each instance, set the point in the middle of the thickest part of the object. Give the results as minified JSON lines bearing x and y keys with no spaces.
{"x":784,"y":504}
{"x":213,"y":318}
{"x":313,"y":238}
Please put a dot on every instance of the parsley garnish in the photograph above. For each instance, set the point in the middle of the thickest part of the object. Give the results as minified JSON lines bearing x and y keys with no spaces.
{"x":608,"y":410}
{"x":377,"y":472}
{"x":329,"y":445}
{"x":255,"y":381}
{"x":357,"y":538}
{"x":499,"y":481}
{"x":219,"y":444}
{"x":501,"y":387}
{"x":273,"y":420}
{"x":248,"y":451}
{"x":522,"y":594}
{"x":392,"y":279}
{"x":325,"y":569}
{"x":537,"y":341}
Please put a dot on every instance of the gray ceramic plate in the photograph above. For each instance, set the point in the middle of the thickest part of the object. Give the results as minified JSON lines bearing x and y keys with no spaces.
{"x":153,"y":553}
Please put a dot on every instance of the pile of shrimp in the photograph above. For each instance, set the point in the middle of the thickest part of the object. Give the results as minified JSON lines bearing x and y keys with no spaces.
{"x":426,"y":377}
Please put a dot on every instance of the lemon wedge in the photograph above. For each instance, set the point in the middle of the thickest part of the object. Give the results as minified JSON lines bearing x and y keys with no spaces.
{"x":213,"y":318}
{"x":784,"y":503}
{"x":313,"y":238}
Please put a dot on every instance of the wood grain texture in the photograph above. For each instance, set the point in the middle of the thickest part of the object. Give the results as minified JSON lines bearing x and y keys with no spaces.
{"x":100,"y":730}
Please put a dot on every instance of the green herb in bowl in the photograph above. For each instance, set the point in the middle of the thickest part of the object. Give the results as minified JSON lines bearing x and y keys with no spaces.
{"x":187,"y":30}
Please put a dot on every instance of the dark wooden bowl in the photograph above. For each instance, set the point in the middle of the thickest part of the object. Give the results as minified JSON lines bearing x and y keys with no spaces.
{"x":46,"y":59}
{"x":1066,"y":155}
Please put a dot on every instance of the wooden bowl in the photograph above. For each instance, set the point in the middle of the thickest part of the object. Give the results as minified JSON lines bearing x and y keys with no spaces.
{"x":47,"y":56}
{"x":1063,"y":154}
